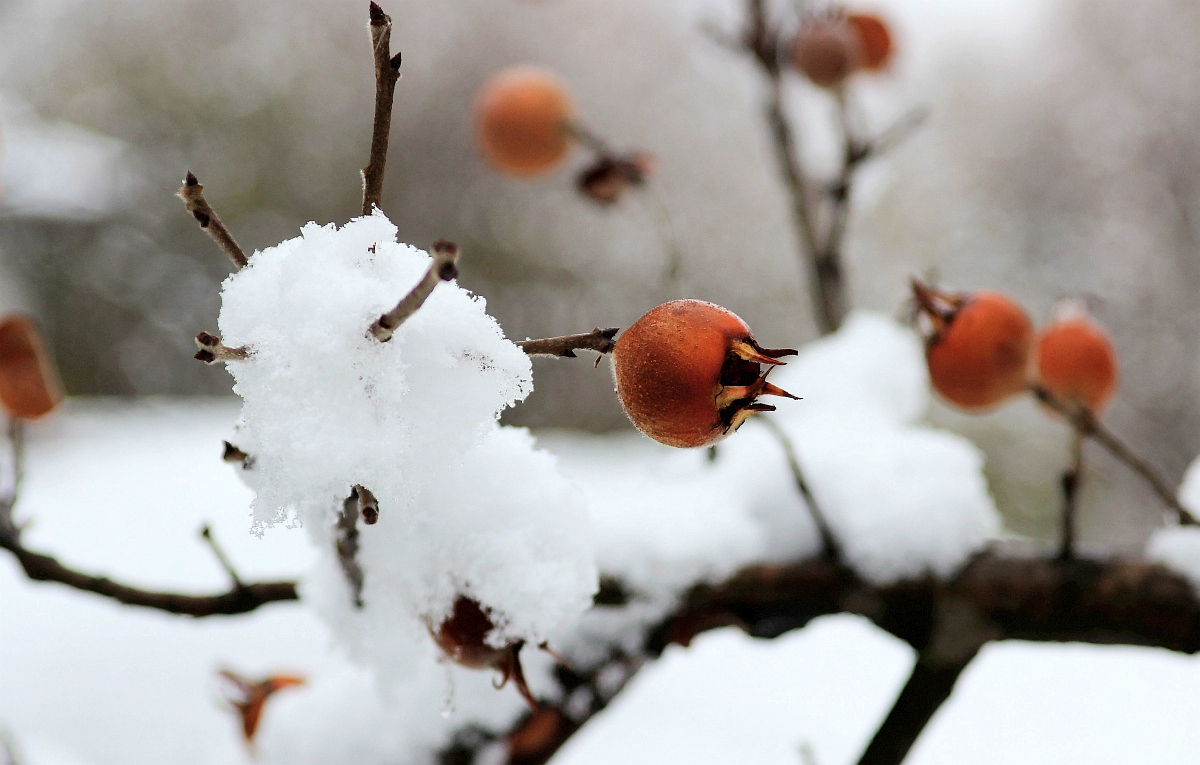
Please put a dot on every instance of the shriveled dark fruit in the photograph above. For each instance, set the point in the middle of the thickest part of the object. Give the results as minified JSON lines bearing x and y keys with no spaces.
{"x":29,"y":386}
{"x":827,"y":51}
{"x":689,"y":373}
{"x":463,"y":639}
{"x":978,"y":345}
{"x":610,"y":177}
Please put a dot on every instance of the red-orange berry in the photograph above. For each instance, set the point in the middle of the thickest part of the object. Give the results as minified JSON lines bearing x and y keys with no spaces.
{"x":1076,"y":361}
{"x":978,"y":347}
{"x":29,"y":386}
{"x":463,"y":639}
{"x":827,"y":51}
{"x":522,"y":120}
{"x":874,"y":38}
{"x":690,"y":372}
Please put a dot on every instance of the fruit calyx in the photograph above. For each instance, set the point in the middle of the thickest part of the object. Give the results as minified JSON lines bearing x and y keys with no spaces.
{"x":938,"y":307}
{"x":742,"y":381}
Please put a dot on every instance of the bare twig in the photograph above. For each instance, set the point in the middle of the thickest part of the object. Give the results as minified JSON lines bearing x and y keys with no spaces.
{"x":601,"y":341}
{"x":829,"y":544}
{"x":443,"y":268}
{"x":387,"y":72}
{"x":206,"y":534}
{"x":236,"y":456}
{"x":1071,"y":480}
{"x":346,"y":543}
{"x":192,"y":195}
{"x":1086,"y":422}
{"x":212,"y":350}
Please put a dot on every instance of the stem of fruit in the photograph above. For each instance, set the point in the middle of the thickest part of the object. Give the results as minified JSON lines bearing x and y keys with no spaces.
{"x":829,"y":543}
{"x":1086,"y":422}
{"x":601,"y":341}
{"x":192,"y":195}
{"x":387,"y":72}
{"x":1070,"y":486}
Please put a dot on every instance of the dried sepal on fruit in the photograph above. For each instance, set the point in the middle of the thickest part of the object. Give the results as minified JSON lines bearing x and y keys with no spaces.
{"x":977,"y":345}
{"x":522,"y":121}
{"x":248,"y":697}
{"x":610,"y":177}
{"x":689,"y":373}
{"x":29,"y":384}
{"x":463,"y":639}
{"x":1075,"y":359}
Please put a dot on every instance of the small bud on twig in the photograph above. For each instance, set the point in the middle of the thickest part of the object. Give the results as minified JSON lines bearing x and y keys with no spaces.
{"x":443,"y":268}
{"x":368,"y":506}
{"x":192,"y":195}
{"x":213,"y":350}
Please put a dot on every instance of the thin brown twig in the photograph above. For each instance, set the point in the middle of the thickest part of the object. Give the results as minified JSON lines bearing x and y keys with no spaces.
{"x":1071,"y":481}
{"x":1086,"y":422}
{"x":368,"y":505}
{"x":192,"y":195}
{"x":346,"y":545}
{"x":207,"y":536}
{"x":212,"y":350}
{"x":443,"y":268}
{"x":387,"y":72}
{"x":601,"y":341}
{"x":829,"y":543}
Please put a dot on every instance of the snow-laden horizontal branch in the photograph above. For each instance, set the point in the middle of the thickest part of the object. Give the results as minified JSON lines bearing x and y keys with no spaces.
{"x":996,"y":596}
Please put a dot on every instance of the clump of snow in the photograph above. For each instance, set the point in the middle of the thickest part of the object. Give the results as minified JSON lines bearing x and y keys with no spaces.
{"x":902,"y":499}
{"x":1177,"y":548}
{"x":465,"y":506}
{"x":1189,"y":488}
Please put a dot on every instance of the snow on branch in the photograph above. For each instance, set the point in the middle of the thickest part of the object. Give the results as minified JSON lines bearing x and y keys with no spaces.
{"x":996,"y":596}
{"x":443,"y":268}
{"x":192,"y":195}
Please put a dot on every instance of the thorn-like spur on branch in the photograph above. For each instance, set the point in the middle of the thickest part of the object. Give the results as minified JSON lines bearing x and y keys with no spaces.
{"x":1086,"y":423}
{"x":346,"y":544}
{"x":192,"y":195}
{"x":601,"y":341}
{"x":213,"y":350}
{"x":387,"y":72}
{"x":443,"y":268}
{"x":206,"y":534}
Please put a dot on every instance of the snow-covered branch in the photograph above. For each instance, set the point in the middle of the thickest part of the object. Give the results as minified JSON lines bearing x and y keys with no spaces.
{"x":996,"y":596}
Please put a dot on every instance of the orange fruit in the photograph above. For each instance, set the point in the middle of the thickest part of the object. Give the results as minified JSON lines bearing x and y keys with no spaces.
{"x":1076,"y":361}
{"x":978,"y":351}
{"x":29,"y":386}
{"x":522,"y":121}
{"x":875,"y":40}
{"x":827,"y":51}
{"x":690,"y":372}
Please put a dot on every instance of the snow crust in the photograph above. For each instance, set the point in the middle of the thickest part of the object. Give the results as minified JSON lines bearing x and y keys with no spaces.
{"x":466,"y":506}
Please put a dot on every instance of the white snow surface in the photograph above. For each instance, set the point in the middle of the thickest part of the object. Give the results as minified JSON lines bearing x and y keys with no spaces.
{"x":1177,"y":548}
{"x":466,"y":507}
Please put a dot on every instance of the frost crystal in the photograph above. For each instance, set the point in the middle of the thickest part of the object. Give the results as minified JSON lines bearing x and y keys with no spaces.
{"x":466,"y":506}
